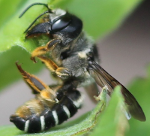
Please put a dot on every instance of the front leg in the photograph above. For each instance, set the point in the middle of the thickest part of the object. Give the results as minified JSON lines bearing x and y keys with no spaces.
{"x":60,"y":71}
{"x":40,"y":51}
{"x":44,"y":49}
{"x":37,"y":86}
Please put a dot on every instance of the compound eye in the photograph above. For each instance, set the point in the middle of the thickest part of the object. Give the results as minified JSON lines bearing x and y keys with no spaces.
{"x":61,"y":23}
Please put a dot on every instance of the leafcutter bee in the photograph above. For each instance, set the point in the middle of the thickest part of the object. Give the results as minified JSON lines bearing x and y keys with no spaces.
{"x":73,"y":59}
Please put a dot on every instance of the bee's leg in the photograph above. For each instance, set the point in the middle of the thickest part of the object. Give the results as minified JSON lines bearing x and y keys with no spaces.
{"x":37,"y":86}
{"x":103,"y":95}
{"x":60,"y":71}
{"x":102,"y":99}
{"x":38,"y":52}
{"x":44,"y":49}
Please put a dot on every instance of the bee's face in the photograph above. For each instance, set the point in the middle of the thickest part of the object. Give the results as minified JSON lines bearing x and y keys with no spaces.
{"x":58,"y":24}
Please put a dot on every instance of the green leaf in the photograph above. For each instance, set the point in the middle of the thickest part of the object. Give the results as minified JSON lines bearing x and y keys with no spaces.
{"x":9,"y":9}
{"x":112,"y":122}
{"x":140,"y":87}
{"x":108,"y":122}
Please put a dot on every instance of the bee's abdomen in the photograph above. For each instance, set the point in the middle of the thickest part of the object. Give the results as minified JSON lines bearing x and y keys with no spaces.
{"x":59,"y":113}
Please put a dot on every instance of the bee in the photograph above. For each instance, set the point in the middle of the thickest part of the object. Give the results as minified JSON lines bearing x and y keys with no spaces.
{"x":72,"y":58}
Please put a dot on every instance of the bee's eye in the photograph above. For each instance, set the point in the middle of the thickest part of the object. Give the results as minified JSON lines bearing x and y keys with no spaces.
{"x":61,"y":23}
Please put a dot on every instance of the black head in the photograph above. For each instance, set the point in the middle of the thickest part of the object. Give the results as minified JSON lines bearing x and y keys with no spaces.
{"x":59,"y":23}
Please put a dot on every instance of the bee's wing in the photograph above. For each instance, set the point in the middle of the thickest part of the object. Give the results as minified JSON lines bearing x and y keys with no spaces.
{"x":103,"y":78}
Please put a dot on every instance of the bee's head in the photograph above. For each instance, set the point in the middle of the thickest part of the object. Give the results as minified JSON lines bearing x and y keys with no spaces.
{"x":59,"y":23}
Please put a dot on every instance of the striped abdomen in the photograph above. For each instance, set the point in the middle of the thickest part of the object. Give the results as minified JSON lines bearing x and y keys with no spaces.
{"x":48,"y":118}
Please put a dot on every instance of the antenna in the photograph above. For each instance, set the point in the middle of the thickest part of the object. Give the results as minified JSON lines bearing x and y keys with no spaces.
{"x":46,"y":5}
{"x":35,"y":21}
{"x":49,"y":10}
